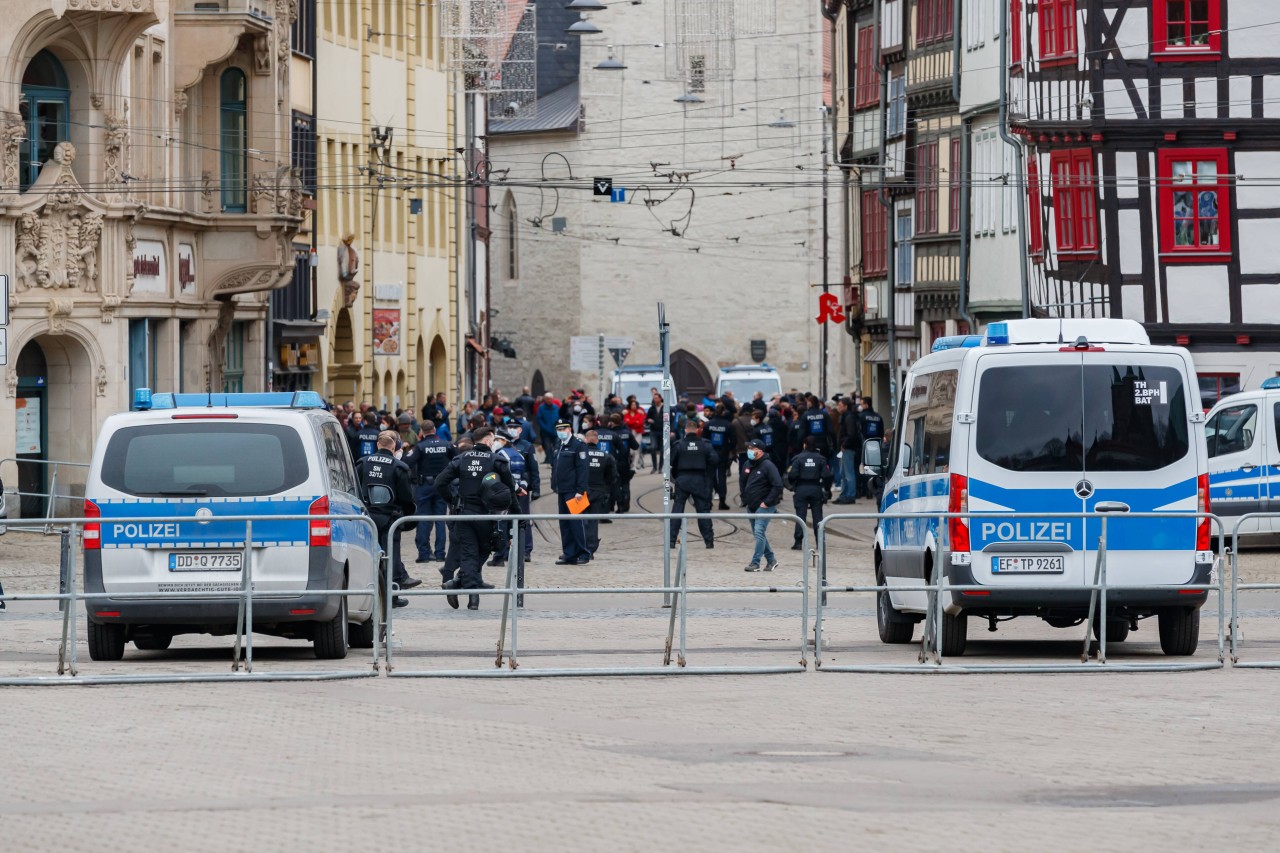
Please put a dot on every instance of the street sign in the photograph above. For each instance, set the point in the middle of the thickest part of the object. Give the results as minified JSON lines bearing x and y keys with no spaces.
{"x":584,"y":353}
{"x":619,"y":354}
{"x":618,"y":343}
{"x":618,"y":194}
{"x":602,"y":186}
{"x":4,"y":300}
{"x":4,"y":346}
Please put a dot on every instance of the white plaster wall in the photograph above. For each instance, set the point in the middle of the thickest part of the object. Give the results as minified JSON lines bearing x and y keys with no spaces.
{"x":1198,"y":294}
{"x":1255,"y":29}
{"x":1259,"y":250}
{"x":1206,"y":97}
{"x":1130,"y":250}
{"x":1171,"y":103}
{"x":1134,"y":35}
{"x":1134,"y":302}
{"x":1257,"y":186}
{"x":1240,"y":91}
{"x":1126,"y":174}
{"x":1271,"y":96}
{"x":1260,"y":303}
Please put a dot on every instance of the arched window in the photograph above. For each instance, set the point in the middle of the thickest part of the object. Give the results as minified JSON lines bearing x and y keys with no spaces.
{"x":512,"y":223}
{"x":46,"y":101}
{"x":235,"y":141}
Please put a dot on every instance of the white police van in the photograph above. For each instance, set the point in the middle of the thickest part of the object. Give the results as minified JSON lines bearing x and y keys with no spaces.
{"x":1244,"y":457}
{"x":744,"y":380}
{"x":211,"y":455}
{"x":1046,"y":416}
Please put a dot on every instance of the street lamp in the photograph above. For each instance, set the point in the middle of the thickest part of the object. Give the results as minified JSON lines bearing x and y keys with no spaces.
{"x":782,"y":122}
{"x":610,"y":64}
{"x":688,"y":98}
{"x":583,"y":27}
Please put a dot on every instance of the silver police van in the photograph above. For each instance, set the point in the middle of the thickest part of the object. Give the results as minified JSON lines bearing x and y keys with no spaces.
{"x":205,"y":456}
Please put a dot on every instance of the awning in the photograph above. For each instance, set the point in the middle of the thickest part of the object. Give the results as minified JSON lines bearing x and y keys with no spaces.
{"x":878,"y":354}
{"x":297,"y":331}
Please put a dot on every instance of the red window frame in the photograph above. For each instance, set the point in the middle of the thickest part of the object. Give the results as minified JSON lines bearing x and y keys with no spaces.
{"x":1057,"y":32}
{"x":1075,"y":204}
{"x":875,"y":235}
{"x":1167,"y":14}
{"x":1034,"y":212}
{"x":933,"y":21}
{"x":866,"y":90}
{"x":954,"y":219}
{"x":1015,"y":34}
{"x":927,"y":187}
{"x":1170,"y":251}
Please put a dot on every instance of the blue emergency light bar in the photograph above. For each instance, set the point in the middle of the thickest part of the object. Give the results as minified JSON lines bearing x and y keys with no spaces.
{"x":957,"y":342}
{"x":144,"y":400}
{"x":1269,"y":384}
{"x":998,"y":334}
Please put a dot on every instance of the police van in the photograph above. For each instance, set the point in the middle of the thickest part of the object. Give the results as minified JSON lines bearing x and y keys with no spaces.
{"x":1052,"y":416}
{"x":209,"y":455}
{"x":744,"y":380}
{"x":1244,"y":458}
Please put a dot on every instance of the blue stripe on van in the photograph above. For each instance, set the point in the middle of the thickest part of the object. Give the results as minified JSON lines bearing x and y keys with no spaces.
{"x":202,"y":534}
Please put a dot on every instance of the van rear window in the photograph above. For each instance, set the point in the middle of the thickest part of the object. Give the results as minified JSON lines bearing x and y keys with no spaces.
{"x":216,"y":460}
{"x":1101,"y":418}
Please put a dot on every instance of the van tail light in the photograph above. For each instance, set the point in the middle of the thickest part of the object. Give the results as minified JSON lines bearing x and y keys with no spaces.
{"x":318,"y":535}
{"x":958,"y":501}
{"x":1205,"y":527}
{"x":92,"y":532}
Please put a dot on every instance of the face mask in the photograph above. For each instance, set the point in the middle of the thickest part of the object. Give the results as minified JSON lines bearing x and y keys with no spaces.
{"x":564,"y":436}
{"x":753,"y":455}
{"x":577,"y":410}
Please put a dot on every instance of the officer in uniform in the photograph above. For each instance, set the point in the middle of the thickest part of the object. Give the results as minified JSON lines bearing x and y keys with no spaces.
{"x":720,"y":434}
{"x":366,"y":436}
{"x":624,"y":443}
{"x":426,"y":460}
{"x":693,"y":463}
{"x":482,"y":476}
{"x":606,"y":436}
{"x":872,"y":427}
{"x":762,"y":431}
{"x":524,"y":470}
{"x":810,"y":478}
{"x":384,"y":485}
{"x":602,"y":479}
{"x":569,"y":480}
{"x":817,"y":425}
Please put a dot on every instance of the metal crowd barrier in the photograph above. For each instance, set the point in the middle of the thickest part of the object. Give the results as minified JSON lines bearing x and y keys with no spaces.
{"x":1235,"y":633}
{"x":242,"y":653}
{"x":931,"y":641}
{"x":512,"y":590}
{"x":51,"y":497}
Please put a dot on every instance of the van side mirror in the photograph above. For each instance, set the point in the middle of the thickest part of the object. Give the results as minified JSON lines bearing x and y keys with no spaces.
{"x":873,"y":454}
{"x":906,"y":457}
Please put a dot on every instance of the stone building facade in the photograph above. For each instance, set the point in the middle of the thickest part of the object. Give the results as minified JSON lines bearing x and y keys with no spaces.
{"x":147,"y":206}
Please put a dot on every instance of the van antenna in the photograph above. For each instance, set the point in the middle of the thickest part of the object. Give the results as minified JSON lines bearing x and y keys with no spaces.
{"x":1061,"y":341}
{"x":208,"y":383}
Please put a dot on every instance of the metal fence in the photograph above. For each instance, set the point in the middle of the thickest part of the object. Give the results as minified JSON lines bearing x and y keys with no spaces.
{"x":51,"y":496}
{"x":512,"y":590}
{"x":930,"y":656}
{"x":1235,"y":633}
{"x":242,"y":652}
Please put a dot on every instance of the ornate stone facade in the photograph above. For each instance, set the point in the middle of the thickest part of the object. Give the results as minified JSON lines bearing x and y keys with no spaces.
{"x":58,"y":245}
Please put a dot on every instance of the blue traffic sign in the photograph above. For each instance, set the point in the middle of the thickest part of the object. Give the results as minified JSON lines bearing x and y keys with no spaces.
{"x":618,"y":194}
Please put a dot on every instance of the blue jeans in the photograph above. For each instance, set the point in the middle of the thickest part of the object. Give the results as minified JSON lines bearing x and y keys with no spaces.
{"x":758,"y":526}
{"x":430,"y":503}
{"x":849,"y":473}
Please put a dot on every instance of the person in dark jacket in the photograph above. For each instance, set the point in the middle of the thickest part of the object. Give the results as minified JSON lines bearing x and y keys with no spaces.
{"x":569,"y":480}
{"x":693,"y":462}
{"x":426,"y":460}
{"x":473,"y":470}
{"x":850,"y":450}
{"x":387,"y":495}
{"x":872,"y":427}
{"x":602,"y":479}
{"x":810,"y":478}
{"x":523,"y":463}
{"x":761,"y":493}
{"x":720,"y":431}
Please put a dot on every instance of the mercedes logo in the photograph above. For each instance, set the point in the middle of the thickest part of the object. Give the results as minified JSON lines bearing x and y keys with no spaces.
{"x":1084,"y":489}
{"x":204,"y":513}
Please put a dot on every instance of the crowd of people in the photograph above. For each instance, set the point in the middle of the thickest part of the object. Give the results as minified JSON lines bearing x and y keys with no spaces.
{"x":482,"y":461}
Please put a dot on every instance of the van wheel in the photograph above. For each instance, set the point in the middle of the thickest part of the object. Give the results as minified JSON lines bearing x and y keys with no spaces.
{"x":955,"y":634}
{"x":894,"y":630}
{"x":361,"y":636}
{"x":331,"y":637}
{"x":1117,"y":629}
{"x":1179,"y":631}
{"x":156,"y":642}
{"x":106,"y":641}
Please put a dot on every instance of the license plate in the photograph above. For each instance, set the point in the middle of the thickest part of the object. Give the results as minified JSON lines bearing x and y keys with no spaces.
{"x":1031,"y":565}
{"x":206,"y":561}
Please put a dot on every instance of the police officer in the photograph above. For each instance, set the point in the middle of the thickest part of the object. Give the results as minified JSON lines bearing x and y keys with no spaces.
{"x":693,"y":463}
{"x":384,"y":485}
{"x":426,"y":460}
{"x":623,"y":445}
{"x":810,"y":478}
{"x":602,"y":478}
{"x":569,"y":480}
{"x":762,"y":431}
{"x":606,"y":436}
{"x":872,"y":427}
{"x":719,"y":432}
{"x":482,"y":477}
{"x":366,"y":442}
{"x":524,"y":470}
{"x":850,"y":450}
{"x":817,"y":425}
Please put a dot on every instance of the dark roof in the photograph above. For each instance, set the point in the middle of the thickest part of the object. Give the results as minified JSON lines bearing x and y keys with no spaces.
{"x":557,"y":68}
{"x":557,"y":110}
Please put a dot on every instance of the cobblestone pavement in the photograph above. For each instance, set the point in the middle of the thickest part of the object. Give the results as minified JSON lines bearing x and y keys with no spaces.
{"x":813,"y":760}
